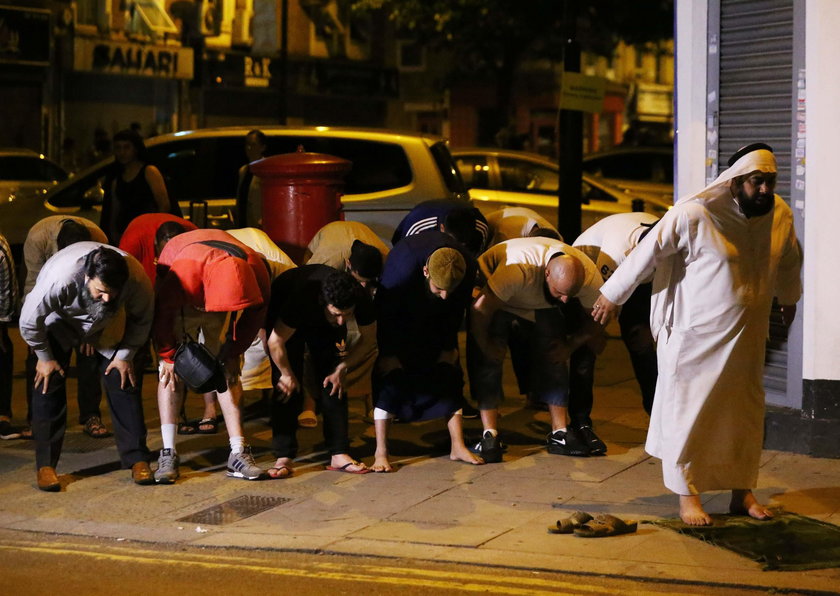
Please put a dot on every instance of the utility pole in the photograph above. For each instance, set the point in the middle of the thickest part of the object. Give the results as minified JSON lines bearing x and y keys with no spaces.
{"x":570,"y":138}
{"x":284,"y":61}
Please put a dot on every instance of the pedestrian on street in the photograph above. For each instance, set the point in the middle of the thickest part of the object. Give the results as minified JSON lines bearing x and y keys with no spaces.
{"x":248,"y":190}
{"x":211,"y":288}
{"x":717,"y":259}
{"x":455,"y":217}
{"x":44,"y":239}
{"x":310,"y":309}
{"x":607,"y":243}
{"x":79,"y":292}
{"x":426,"y":289}
{"x":524,"y":284}
{"x":135,"y":187}
{"x":8,"y":310}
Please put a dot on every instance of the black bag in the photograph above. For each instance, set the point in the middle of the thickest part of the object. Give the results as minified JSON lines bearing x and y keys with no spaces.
{"x":199,"y":369}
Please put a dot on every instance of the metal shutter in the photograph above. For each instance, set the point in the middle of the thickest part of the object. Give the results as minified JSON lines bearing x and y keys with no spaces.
{"x":751,"y":74}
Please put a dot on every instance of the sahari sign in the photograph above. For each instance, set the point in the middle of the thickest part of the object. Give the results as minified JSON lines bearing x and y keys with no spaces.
{"x":132,"y":59}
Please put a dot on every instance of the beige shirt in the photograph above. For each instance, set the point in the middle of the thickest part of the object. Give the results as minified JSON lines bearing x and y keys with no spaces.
{"x":331,"y":244}
{"x":515,"y":222}
{"x":515,"y":272}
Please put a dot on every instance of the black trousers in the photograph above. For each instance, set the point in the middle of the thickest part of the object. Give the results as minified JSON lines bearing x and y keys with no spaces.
{"x":7,"y":357}
{"x":334,"y":410}
{"x":634,"y":322}
{"x":49,"y":414}
{"x":89,"y":390}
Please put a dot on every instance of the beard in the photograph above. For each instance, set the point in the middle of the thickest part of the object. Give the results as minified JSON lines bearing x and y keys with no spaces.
{"x":757,"y":205}
{"x":97,"y":309}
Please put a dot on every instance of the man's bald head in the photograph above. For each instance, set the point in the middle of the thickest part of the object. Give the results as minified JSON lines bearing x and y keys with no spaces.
{"x":564,"y":277}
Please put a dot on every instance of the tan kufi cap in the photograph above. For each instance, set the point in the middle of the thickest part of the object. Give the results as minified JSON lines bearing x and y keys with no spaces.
{"x":446,"y":268}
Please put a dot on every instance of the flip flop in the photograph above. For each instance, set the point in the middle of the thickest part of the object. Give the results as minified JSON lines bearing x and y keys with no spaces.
{"x":347,"y":465}
{"x":211,"y":422}
{"x":604,"y":525}
{"x":307,"y":419}
{"x":568,"y":525}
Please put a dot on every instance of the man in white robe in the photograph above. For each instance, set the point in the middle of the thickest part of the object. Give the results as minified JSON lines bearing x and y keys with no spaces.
{"x":720,"y":257}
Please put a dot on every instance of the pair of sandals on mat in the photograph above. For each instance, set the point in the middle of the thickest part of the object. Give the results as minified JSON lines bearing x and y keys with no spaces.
{"x":584,"y":525}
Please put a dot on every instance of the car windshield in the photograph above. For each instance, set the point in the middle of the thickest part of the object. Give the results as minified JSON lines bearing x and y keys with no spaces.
{"x":20,"y":167}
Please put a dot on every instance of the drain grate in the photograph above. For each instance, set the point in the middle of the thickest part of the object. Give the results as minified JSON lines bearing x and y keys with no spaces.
{"x":234,"y":510}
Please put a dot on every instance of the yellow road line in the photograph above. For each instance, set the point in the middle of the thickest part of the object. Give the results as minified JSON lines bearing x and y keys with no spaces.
{"x":377,"y":574}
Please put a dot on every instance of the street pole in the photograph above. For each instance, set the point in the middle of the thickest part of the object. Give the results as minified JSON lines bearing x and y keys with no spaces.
{"x":284,"y":60}
{"x":570,"y":138}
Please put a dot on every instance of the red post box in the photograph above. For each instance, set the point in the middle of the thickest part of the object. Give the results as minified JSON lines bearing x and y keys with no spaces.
{"x":301,"y":193}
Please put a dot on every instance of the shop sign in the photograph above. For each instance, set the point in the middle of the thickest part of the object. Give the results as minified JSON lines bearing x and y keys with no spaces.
{"x":133,"y":59}
{"x":257,"y":72}
{"x":24,"y":36}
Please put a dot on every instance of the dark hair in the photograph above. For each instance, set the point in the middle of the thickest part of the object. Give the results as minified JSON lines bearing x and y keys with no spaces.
{"x":135,"y":139}
{"x":260,"y":136}
{"x":340,"y":289}
{"x":109,"y":266}
{"x":71,"y":232}
{"x":366,"y":260}
{"x":460,"y":224}
{"x":167,"y":231}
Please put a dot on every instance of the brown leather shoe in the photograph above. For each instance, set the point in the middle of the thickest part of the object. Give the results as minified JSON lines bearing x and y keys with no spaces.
{"x":48,"y":480}
{"x":141,"y":473}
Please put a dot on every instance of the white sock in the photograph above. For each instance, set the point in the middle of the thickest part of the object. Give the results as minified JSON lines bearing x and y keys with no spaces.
{"x":237,"y":444}
{"x":167,"y":433}
{"x":554,"y":430}
{"x":380,"y":414}
{"x":492,"y":431}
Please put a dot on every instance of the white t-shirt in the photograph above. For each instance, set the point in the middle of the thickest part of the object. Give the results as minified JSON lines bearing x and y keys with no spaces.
{"x":515,"y":272}
{"x":515,"y":222}
{"x":331,"y":244}
{"x":609,"y":241}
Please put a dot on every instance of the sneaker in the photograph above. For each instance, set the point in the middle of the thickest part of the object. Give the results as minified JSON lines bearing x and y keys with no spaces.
{"x":490,"y":448}
{"x":7,"y":431}
{"x":167,"y":470}
{"x":567,"y":442}
{"x":242,"y":465}
{"x":596,"y":445}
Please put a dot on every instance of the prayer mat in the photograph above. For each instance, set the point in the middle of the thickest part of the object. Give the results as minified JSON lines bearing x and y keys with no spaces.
{"x":788,"y":542}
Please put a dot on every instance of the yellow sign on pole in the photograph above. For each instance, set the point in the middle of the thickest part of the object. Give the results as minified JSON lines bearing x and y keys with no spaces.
{"x":583,"y":93}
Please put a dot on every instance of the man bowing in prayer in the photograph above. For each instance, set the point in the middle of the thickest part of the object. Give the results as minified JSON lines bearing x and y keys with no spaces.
{"x":720,"y":256}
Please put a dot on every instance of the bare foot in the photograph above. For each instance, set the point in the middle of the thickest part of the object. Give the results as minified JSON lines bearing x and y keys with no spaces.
{"x":342,"y":462}
{"x":381,"y":464}
{"x":691,"y":511}
{"x":282,"y":468}
{"x":744,"y":503}
{"x":461,"y":453}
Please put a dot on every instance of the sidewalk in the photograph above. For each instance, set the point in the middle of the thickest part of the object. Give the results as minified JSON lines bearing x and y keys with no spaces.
{"x":431,"y":508}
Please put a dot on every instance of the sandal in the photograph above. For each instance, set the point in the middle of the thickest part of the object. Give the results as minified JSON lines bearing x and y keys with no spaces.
{"x":569,"y":524}
{"x":277,"y":472}
{"x":307,"y":419}
{"x":211,"y":423}
{"x":94,"y":428}
{"x":363,"y":469}
{"x":188,"y":427}
{"x":603,"y":525}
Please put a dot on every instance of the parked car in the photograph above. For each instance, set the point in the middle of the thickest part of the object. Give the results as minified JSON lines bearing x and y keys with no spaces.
{"x":25,"y":177}
{"x":499,"y":178}
{"x":644,"y":169}
{"x":392,"y":172}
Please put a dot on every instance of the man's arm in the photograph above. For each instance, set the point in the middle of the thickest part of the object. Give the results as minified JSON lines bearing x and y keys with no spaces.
{"x":363,"y":348}
{"x":481,"y":314}
{"x":158,"y":186}
{"x":277,"y":341}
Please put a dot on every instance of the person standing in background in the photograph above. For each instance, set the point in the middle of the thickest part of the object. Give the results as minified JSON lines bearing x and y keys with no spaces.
{"x":248,"y":192}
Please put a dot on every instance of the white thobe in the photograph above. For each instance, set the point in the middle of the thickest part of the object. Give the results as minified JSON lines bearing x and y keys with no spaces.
{"x":716,"y":273}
